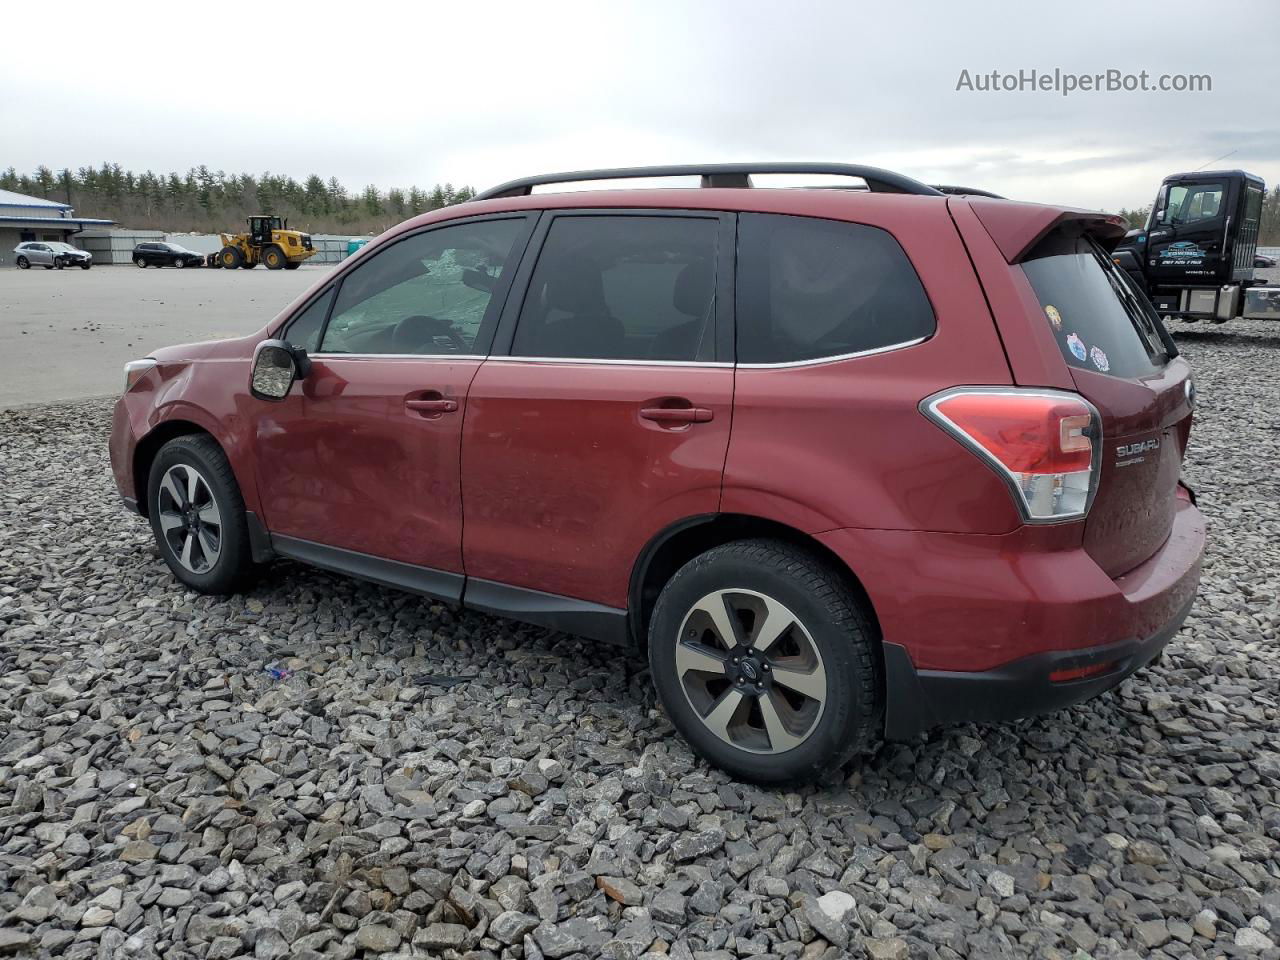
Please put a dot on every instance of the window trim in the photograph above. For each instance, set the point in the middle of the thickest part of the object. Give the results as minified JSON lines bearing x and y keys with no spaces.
{"x":721,"y":339}
{"x":515,"y":258}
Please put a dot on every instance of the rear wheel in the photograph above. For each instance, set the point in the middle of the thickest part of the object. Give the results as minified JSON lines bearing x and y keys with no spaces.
{"x":230,"y":258}
{"x":198,"y":516}
{"x":765,"y":662}
{"x":140,"y":263}
{"x":274,"y":258}
{"x":24,"y":263}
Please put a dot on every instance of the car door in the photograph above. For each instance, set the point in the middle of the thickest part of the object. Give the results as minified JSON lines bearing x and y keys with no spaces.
{"x":358,"y":467}
{"x":40,"y":253}
{"x":1188,"y":231}
{"x":603,"y":415}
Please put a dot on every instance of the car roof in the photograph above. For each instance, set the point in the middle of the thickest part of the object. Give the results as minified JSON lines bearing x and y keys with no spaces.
{"x":1015,"y":226}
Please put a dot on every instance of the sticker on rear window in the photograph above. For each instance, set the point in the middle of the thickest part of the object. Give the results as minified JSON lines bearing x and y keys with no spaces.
{"x":1054,"y":316}
{"x":1077,"y":347}
{"x":1099,"y":359}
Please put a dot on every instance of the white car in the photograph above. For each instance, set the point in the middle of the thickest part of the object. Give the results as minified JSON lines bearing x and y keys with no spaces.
{"x":50,"y":254}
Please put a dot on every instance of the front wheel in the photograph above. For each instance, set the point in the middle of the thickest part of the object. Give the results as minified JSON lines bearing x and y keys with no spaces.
{"x":179,"y":263}
{"x":274,"y":258}
{"x":765,"y":662}
{"x":85,"y":266}
{"x":24,"y":263}
{"x":197,"y":515}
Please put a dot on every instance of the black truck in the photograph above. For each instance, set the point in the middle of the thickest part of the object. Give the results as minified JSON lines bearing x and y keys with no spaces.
{"x":1195,"y":257}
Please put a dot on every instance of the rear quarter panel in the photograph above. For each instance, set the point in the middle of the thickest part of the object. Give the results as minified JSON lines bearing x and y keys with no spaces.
{"x":843,"y":444}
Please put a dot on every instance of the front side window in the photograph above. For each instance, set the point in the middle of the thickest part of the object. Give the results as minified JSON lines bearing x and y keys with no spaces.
{"x":1191,"y":203}
{"x":622,"y":288}
{"x":810,"y":289}
{"x":1098,"y":318}
{"x":304,"y":329}
{"x":428,"y":294}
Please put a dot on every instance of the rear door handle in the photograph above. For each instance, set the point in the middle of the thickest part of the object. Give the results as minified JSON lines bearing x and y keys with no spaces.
{"x":432,"y":406}
{"x":677,"y":414}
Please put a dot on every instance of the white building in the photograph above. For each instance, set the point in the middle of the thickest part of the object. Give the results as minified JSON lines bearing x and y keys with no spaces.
{"x":31,"y":218}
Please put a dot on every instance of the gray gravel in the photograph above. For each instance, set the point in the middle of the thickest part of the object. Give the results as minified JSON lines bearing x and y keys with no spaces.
{"x":288,"y":773}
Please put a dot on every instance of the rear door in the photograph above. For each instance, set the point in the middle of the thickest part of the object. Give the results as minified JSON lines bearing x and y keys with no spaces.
{"x":1120,"y":360}
{"x":363,"y":456}
{"x":608,"y":419}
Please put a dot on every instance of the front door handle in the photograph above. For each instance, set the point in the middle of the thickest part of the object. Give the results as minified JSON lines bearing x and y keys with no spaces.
{"x":677,"y":414}
{"x":432,"y":406}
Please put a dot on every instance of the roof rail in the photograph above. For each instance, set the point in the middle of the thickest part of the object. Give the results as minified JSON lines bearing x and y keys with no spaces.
{"x":720,"y":175}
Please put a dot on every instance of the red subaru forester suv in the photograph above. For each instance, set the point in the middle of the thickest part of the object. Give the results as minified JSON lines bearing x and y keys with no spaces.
{"x":846,"y":464}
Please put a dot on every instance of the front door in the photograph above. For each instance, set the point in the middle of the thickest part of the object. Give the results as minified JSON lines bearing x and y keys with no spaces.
{"x":1188,"y":230}
{"x":609,"y":418}
{"x":363,"y":456}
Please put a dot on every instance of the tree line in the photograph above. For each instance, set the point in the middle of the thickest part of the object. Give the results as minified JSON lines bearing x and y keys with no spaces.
{"x":207,"y":201}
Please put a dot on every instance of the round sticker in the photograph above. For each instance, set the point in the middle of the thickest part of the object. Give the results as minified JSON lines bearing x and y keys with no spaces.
{"x":1054,"y":316}
{"x":1099,"y":359}
{"x":1076,"y":345}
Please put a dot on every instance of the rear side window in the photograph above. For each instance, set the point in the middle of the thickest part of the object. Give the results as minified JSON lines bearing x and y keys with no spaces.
{"x":1098,"y":319}
{"x":810,"y":289}
{"x":622,"y":288}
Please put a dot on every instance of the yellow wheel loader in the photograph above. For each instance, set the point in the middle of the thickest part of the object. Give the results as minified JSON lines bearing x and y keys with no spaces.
{"x":268,"y":241}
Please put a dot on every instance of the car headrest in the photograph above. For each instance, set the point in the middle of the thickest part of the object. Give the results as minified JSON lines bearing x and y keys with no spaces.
{"x":693,"y":288}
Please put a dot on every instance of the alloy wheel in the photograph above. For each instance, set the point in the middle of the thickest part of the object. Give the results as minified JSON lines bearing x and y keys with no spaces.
{"x":751,"y":671}
{"x":189,"y":518}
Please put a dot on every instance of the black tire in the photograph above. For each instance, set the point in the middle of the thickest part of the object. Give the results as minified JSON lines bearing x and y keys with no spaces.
{"x":291,"y":265}
{"x":230,"y":258}
{"x":832,"y":623}
{"x":59,"y":264}
{"x":273,"y":257}
{"x":47,"y":266}
{"x":85,"y":266}
{"x":179,"y":262}
{"x":140,"y":262}
{"x":234,"y":563}
{"x":248,"y":265}
{"x":23,"y":263}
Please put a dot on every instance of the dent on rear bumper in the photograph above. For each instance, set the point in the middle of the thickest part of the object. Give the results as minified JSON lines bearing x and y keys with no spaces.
{"x":1008,"y":610}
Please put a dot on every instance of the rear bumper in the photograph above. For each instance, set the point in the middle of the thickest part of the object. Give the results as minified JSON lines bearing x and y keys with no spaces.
{"x":973,"y":626}
{"x":921,"y":699}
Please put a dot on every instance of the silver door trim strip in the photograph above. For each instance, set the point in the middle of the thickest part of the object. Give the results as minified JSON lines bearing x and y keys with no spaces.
{"x":836,"y":359}
{"x":627,"y":363}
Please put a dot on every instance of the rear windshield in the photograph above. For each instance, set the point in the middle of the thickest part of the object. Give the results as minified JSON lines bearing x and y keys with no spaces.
{"x":1099,"y":320}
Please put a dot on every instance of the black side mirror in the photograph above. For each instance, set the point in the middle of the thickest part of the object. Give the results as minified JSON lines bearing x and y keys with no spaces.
{"x":275,"y":366}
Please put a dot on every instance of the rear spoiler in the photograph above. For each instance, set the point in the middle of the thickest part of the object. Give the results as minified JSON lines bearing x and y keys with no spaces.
{"x":1017,"y":227}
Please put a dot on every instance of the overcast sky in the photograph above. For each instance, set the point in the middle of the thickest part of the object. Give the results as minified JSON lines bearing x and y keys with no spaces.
{"x":416,"y":93}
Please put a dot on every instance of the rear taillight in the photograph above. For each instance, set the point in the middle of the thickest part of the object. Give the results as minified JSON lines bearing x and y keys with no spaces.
{"x":1045,"y":443}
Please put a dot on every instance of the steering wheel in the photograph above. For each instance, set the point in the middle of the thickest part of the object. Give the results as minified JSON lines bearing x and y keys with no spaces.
{"x":419,"y":329}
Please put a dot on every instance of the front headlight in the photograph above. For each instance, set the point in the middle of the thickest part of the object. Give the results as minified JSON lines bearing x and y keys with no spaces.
{"x":135,"y":370}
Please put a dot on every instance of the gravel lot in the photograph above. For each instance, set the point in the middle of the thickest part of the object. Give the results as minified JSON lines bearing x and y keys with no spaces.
{"x":290,"y":772}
